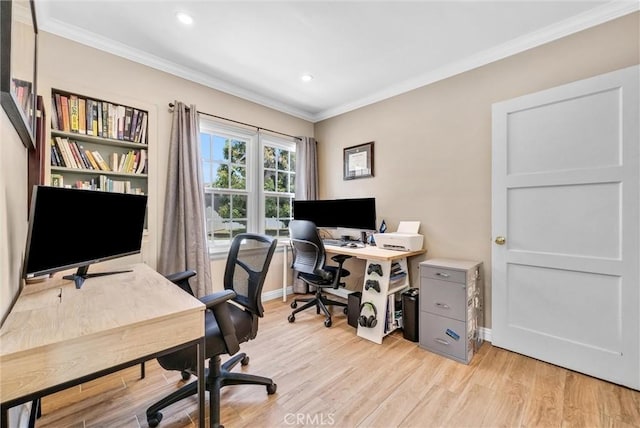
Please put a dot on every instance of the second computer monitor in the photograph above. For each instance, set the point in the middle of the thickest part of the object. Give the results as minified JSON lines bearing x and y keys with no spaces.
{"x":358,"y":214}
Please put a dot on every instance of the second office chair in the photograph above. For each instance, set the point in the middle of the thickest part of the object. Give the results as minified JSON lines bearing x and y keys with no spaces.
{"x":309,"y":261}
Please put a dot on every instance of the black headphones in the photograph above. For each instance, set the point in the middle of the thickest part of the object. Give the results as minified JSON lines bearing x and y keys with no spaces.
{"x":368,"y":321}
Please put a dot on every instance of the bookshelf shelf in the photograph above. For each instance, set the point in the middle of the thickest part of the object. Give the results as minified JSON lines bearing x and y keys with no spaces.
{"x":65,"y":170}
{"x":98,"y":144}
{"x":99,"y":140}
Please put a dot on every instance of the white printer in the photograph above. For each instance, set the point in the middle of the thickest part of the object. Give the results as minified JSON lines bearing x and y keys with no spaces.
{"x":406,"y":238}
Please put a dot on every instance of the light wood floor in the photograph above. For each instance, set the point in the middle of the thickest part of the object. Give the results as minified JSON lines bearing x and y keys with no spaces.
{"x":331,"y":377}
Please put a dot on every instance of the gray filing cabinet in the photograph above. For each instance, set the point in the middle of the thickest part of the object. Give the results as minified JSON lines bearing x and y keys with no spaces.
{"x":450,"y":307}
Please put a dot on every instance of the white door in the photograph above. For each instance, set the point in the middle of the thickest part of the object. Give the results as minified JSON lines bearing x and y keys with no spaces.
{"x":566,"y":193}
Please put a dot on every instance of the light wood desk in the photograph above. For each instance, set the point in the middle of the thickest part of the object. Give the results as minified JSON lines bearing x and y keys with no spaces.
{"x":384,"y":258}
{"x":57,"y":336}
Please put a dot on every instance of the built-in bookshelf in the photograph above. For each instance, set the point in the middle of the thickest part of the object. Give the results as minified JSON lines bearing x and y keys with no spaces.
{"x":98,"y":144}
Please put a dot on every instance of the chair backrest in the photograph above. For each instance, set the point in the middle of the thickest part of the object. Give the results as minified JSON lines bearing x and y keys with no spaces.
{"x":247,"y":265}
{"x":308,"y":250}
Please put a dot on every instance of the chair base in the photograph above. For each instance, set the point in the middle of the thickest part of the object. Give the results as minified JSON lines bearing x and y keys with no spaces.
{"x":217,"y":376}
{"x":320,"y":302}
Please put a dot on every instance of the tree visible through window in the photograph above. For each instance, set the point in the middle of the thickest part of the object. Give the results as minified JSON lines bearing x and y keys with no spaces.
{"x":245,"y":175}
{"x":279,"y":188}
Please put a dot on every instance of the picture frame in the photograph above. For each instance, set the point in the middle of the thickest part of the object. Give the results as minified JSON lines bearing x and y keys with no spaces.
{"x":18,"y":70}
{"x":358,"y":161}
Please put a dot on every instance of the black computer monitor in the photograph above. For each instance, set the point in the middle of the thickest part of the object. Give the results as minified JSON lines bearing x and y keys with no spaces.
{"x":71,"y":228}
{"x":354,"y":213}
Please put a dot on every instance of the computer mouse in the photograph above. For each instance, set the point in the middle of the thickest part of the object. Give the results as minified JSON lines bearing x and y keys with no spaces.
{"x":352,"y":245}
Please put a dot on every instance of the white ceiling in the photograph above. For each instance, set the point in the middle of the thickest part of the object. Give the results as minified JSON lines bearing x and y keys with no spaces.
{"x":359,"y":52}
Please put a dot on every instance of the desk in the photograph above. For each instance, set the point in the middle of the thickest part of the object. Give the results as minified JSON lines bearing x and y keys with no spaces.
{"x":56,"y":336}
{"x":384,"y":258}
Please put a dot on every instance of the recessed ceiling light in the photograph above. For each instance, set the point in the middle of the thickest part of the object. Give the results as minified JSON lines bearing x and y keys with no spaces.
{"x":184,"y":18}
{"x":306,"y":77}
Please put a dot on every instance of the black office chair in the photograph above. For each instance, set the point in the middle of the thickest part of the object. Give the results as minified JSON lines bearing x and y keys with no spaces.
{"x":227,"y":325}
{"x":309,"y":260}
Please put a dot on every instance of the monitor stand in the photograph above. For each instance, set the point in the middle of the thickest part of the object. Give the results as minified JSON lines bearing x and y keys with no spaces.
{"x":81,"y":274}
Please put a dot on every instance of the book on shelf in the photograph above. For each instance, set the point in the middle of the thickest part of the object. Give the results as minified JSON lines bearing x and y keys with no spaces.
{"x":92,"y":160}
{"x":134,"y":124}
{"x":113,"y":162}
{"x":105,"y":119}
{"x":101,"y":162}
{"x":82,"y":116}
{"x":143,"y":129}
{"x":143,"y":162}
{"x":89,"y":116}
{"x":74,"y":120}
{"x":64,"y":102}
{"x":83,"y":155}
{"x":99,"y":119}
{"x":55,"y":160}
{"x":75,"y":153}
{"x":128,"y":111}
{"x":58,"y":111}
{"x":59,"y":154}
{"x":54,"y":115}
{"x":69,"y":160}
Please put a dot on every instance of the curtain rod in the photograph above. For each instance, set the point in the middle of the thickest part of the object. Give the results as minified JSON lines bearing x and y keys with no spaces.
{"x":171,"y":105}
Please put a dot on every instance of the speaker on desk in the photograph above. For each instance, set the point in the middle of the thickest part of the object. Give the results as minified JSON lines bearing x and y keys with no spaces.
{"x":353,"y":308}
{"x":410,"y":314}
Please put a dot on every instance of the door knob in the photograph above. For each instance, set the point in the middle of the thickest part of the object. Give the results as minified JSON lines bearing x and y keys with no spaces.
{"x":500,"y":240}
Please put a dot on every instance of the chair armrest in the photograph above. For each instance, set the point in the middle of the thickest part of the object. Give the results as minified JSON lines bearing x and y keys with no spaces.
{"x":216,"y":302}
{"x":214,"y":299}
{"x":180,"y":276}
{"x":340,"y":258}
{"x":181,"y":279}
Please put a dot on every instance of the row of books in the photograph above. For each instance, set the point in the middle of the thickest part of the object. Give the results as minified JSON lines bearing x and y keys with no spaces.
{"x":98,"y":118}
{"x":102,"y":183}
{"x":23,"y":93}
{"x":71,"y":154}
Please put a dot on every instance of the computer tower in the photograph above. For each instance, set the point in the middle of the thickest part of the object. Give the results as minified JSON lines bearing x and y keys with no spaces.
{"x":410,"y":314}
{"x":353,"y":308}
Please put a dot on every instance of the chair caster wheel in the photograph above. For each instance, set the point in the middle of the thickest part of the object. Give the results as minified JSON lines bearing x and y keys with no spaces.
{"x":327,"y":323}
{"x":271,"y":389}
{"x":244,"y":361}
{"x":186,"y":375}
{"x":154,"y":419}
{"x":345,"y":311}
{"x":291,"y":318}
{"x":294,"y":305}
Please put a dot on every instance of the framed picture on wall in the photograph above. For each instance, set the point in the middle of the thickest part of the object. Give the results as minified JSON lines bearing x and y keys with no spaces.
{"x":18,"y":69}
{"x":358,"y":161}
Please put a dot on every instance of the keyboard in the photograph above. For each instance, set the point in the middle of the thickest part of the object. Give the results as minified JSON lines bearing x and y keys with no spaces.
{"x":336,"y":242}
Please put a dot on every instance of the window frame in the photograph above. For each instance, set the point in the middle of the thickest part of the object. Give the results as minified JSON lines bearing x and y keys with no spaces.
{"x":256,"y":141}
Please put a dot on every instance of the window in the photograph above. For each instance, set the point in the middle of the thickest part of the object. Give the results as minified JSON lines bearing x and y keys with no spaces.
{"x":279,"y":165}
{"x":248,"y":182}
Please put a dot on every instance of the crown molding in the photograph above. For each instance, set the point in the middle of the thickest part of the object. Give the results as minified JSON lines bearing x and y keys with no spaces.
{"x":596,"y":16}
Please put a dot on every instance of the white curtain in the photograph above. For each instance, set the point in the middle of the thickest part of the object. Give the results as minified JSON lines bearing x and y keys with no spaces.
{"x":306,"y":169}
{"x":184,"y":239}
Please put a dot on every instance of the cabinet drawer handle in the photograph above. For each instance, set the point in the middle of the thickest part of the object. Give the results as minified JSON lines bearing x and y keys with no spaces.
{"x":441,"y":341}
{"x":443,"y":305}
{"x":444,"y":275}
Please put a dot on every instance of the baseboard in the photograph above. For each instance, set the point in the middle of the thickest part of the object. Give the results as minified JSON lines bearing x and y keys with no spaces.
{"x":485,"y":333}
{"x":275,"y":294}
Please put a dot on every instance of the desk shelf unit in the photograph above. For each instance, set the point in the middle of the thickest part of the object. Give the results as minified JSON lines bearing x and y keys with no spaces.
{"x":386,"y":300}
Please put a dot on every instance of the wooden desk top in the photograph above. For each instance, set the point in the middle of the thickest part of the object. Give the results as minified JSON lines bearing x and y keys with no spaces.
{"x":56,"y":333}
{"x":372,"y":253}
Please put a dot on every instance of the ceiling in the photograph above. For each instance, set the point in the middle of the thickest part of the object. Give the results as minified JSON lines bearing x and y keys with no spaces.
{"x":358,"y":52}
